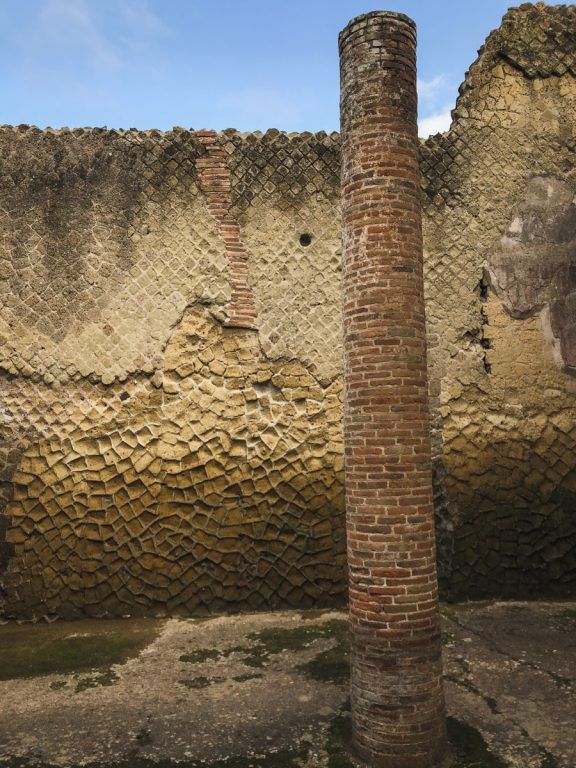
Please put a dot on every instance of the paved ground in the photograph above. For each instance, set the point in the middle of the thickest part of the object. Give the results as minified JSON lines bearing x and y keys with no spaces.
{"x":271,"y":690}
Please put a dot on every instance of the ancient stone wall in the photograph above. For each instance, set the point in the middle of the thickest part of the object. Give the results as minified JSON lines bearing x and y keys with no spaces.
{"x":170,"y":353}
{"x":171,"y":400}
{"x":500,"y":240}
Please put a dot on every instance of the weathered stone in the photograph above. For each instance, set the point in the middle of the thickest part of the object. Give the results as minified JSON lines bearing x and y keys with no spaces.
{"x":112,"y":273}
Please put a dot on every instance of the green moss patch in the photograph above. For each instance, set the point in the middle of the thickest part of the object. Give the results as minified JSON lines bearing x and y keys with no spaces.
{"x":339,"y":740}
{"x":269,"y":642}
{"x":286,"y":758}
{"x":32,"y":650}
{"x":469,"y":747}
{"x":565,"y":620}
{"x":201,"y":655}
{"x":248,"y":676}
{"x":331,"y":666}
{"x":201,"y":682}
{"x":276,"y":640}
{"x":107,"y":677}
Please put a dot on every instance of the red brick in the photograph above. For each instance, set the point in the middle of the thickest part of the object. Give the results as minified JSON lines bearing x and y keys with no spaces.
{"x":397,"y":697}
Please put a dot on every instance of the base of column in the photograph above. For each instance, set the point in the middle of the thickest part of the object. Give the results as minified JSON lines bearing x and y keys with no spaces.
{"x":439,"y":757}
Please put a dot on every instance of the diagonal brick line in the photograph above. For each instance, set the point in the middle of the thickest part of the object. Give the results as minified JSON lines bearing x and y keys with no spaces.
{"x":215,"y":182}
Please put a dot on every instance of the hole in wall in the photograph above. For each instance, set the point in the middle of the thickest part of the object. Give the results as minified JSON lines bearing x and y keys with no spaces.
{"x":483,"y":288}
{"x":305,"y":239}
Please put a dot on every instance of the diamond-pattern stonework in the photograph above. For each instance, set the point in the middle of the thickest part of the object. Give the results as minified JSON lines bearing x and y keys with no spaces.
{"x":284,"y":187}
{"x":216,"y":487}
{"x":156,"y":457}
{"x":505,"y":426}
{"x":106,"y":240}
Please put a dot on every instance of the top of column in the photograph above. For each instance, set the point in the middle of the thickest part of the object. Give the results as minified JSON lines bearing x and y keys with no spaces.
{"x":378,"y":72}
{"x":376,"y":26}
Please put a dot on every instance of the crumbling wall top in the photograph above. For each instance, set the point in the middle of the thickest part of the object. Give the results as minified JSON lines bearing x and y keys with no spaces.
{"x":537,"y":39}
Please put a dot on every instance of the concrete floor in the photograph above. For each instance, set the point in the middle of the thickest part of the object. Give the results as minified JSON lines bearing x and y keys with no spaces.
{"x":271,"y":690}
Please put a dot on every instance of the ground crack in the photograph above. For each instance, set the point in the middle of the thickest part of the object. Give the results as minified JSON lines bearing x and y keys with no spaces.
{"x":559,"y":680}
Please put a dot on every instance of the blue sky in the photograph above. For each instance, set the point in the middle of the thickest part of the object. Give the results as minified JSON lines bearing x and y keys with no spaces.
{"x":246,"y":64}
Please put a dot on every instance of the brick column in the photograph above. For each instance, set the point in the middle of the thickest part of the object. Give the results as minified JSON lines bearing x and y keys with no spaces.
{"x":397,"y":696}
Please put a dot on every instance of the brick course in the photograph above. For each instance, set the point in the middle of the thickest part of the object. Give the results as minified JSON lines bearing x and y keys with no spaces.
{"x":397,"y":697}
{"x":215,"y":183}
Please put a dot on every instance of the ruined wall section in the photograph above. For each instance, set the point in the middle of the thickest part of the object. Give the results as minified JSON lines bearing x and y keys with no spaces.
{"x":106,"y":239}
{"x":500,"y":229}
{"x":170,"y":353}
{"x":158,"y":454}
{"x":285,"y":194}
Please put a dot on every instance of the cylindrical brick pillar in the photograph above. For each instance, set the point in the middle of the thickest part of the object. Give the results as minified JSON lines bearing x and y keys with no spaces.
{"x":397,"y":696}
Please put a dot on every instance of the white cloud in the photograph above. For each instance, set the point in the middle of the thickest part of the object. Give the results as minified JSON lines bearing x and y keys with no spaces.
{"x":435,"y":123}
{"x":435,"y":96}
{"x":429,"y":90}
{"x":140,"y":17}
{"x":91,"y":34}
{"x":140,"y":24}
{"x":65,"y":22}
